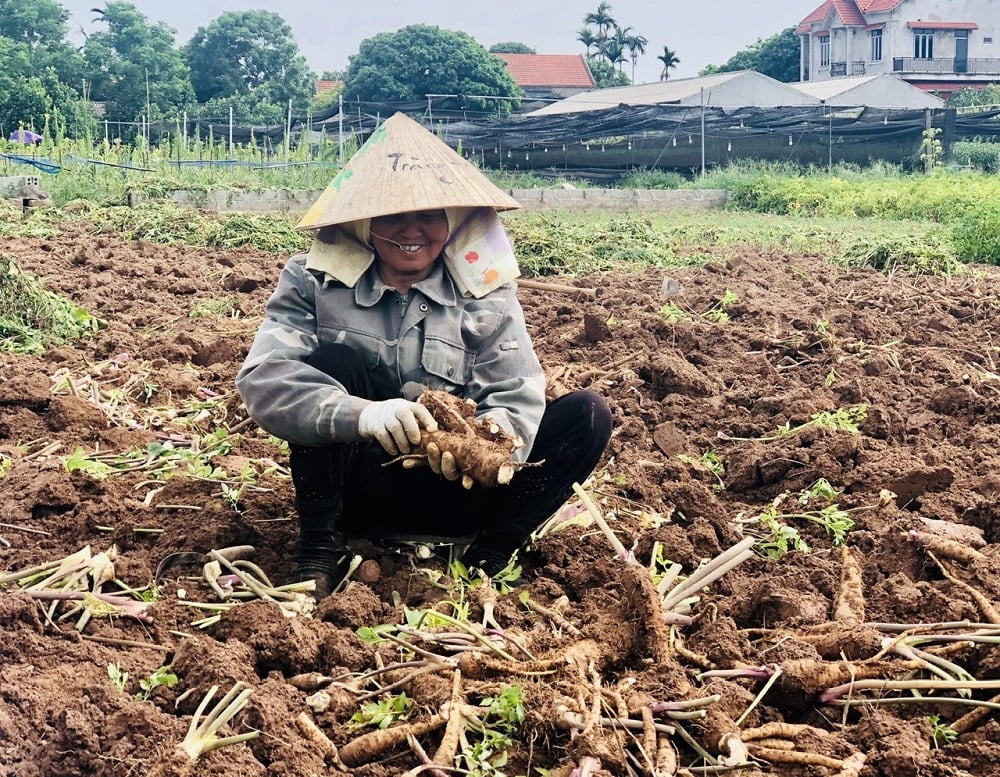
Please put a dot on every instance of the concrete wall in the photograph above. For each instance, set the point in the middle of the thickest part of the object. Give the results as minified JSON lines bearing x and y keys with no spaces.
{"x":276,"y":201}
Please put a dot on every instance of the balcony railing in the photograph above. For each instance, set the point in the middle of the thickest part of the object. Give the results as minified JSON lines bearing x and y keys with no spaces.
{"x":947,"y":66}
{"x":840,"y":68}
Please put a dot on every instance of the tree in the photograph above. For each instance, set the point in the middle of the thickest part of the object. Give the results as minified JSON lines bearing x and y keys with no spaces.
{"x":422,"y":59}
{"x":587,"y":37}
{"x":669,"y":60}
{"x":613,"y":50}
{"x":134,"y":68}
{"x":31,"y":96}
{"x":601,"y":19}
{"x":605,"y":74}
{"x":609,"y":42}
{"x":511,"y":47}
{"x":36,"y":23}
{"x":41,"y":74}
{"x":777,"y":57}
{"x":41,"y":27}
{"x":971,"y":96}
{"x":634,"y":44}
{"x":248,"y":54}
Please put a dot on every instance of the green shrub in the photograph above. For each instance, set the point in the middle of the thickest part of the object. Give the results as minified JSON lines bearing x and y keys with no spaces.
{"x":33,"y":318}
{"x":651,"y":179}
{"x":977,"y":154}
{"x":976,"y":236}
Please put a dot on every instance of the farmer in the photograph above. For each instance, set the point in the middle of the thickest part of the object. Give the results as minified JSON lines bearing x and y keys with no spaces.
{"x":409,"y":283}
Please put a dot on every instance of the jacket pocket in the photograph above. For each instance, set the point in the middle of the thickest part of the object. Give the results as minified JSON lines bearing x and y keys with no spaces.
{"x":449,"y":363}
{"x":366,"y":346}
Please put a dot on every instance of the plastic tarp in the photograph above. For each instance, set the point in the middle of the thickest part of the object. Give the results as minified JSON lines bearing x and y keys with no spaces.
{"x":25,"y":136}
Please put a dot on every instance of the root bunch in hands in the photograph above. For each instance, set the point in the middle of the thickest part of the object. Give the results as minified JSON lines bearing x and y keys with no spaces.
{"x":483,"y":450}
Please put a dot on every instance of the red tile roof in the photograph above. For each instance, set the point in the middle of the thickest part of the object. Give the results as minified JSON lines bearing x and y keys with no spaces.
{"x":549,"y":70}
{"x":816,"y":16}
{"x":875,"y":6}
{"x":849,"y":13}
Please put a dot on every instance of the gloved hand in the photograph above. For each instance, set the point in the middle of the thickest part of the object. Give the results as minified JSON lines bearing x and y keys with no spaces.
{"x":395,"y":423}
{"x":443,"y":463}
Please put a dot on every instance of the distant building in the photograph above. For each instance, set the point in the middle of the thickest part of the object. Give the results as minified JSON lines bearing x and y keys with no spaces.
{"x":937,"y":45}
{"x":721,"y":90}
{"x":545,"y":78}
{"x":325,"y":86}
{"x":872,"y":91}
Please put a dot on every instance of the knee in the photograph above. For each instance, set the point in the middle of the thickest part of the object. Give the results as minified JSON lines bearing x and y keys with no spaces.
{"x":585,"y":411}
{"x":594,"y":408}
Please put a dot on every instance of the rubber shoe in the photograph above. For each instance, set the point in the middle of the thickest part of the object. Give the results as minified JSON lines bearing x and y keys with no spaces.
{"x":324,"y":583}
{"x":326,"y":566}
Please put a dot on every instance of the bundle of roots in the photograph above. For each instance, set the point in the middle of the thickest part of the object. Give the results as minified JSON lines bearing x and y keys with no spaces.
{"x":483,"y":450}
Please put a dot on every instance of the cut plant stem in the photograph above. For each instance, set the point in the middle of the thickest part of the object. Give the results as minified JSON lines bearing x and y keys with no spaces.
{"x":708,"y":573}
{"x":26,"y":529}
{"x":575,"y":720}
{"x":778,"y":671}
{"x":834,"y":695}
{"x":101,"y":604}
{"x":623,"y":553}
{"x":203,"y":735}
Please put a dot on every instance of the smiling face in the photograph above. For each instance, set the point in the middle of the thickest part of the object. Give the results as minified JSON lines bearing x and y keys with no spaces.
{"x":406,"y":245}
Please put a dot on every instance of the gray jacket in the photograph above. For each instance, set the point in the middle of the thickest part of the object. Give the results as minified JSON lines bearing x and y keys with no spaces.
{"x":477,"y":348}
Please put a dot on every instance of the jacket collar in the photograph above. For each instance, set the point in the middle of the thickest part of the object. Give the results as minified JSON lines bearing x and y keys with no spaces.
{"x":437,"y":287}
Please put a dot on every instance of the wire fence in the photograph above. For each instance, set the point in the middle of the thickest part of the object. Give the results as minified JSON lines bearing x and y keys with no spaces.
{"x":599,"y":144}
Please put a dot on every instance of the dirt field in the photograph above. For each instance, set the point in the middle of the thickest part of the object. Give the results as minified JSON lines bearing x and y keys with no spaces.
{"x":721,"y":419}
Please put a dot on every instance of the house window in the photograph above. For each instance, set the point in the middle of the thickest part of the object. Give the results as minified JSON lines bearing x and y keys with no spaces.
{"x":876,"y":45}
{"x":988,"y":39}
{"x":824,"y":51}
{"x":923,"y":44}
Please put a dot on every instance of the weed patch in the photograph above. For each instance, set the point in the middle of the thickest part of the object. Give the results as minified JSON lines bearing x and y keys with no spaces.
{"x":32,"y":318}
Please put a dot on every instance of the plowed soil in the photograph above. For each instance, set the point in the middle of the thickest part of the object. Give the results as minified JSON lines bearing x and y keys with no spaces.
{"x":725,"y":424}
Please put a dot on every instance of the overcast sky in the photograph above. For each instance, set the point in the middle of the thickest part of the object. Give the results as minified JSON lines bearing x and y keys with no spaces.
{"x":700,"y":33}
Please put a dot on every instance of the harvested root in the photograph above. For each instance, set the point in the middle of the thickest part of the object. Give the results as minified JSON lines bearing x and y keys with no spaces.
{"x":448,"y":747}
{"x":483,"y":450}
{"x":991,"y":613}
{"x":945,"y":547}
{"x":809,"y":676}
{"x":779,"y":730}
{"x":849,"y":606}
{"x":796,"y":757}
{"x":314,"y":734}
{"x":379,"y":743}
{"x":973,"y":718}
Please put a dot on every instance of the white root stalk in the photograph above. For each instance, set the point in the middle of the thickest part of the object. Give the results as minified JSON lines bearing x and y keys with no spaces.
{"x":203,"y":735}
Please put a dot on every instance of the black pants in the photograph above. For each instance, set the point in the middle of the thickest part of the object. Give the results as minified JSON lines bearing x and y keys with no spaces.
{"x":382,"y":501}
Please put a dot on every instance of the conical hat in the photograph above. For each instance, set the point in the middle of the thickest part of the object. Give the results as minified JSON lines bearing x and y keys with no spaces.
{"x":402,"y":167}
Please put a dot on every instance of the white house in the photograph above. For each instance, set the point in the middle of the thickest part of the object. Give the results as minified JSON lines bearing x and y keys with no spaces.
{"x":936,"y":45}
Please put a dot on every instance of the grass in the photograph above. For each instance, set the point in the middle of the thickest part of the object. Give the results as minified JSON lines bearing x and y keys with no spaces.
{"x":876,"y":217}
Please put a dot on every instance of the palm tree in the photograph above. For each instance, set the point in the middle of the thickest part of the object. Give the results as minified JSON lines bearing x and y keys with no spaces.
{"x":669,"y":60}
{"x":602,"y":20}
{"x":614,"y":51}
{"x":636,"y":45}
{"x":587,"y":38}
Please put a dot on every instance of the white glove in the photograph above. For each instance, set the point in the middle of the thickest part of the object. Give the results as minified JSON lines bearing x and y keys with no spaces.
{"x":395,"y":423}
